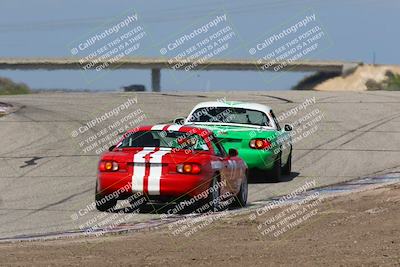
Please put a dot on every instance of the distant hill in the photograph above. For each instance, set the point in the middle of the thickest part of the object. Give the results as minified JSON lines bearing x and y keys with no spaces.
{"x":363,"y":78}
{"x":8,"y":87}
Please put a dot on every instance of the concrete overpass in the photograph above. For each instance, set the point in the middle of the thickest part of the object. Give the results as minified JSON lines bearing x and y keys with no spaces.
{"x":156,"y":64}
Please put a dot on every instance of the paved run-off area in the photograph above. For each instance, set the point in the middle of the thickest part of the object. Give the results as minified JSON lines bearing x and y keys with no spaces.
{"x":46,"y":177}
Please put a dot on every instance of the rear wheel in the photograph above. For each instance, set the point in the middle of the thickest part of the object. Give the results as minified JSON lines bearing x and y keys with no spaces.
{"x":277,"y":169}
{"x":138,"y":201}
{"x":287,"y":169}
{"x":240,"y":200}
{"x":104,"y":203}
{"x":213,"y":199}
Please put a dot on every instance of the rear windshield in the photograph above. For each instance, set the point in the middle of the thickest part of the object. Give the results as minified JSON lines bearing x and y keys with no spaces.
{"x":169,"y":139}
{"x":229,"y":115}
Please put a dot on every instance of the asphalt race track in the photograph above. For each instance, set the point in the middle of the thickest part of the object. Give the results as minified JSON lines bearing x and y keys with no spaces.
{"x":46,"y":177}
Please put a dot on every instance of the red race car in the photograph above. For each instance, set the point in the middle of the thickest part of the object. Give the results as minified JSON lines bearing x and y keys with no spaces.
{"x":171,"y":164}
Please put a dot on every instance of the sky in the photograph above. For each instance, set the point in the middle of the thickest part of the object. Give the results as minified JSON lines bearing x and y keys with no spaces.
{"x":352,"y":30}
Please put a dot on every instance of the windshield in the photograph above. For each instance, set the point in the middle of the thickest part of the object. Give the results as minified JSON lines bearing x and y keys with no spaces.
{"x":229,"y":115}
{"x":169,"y":139}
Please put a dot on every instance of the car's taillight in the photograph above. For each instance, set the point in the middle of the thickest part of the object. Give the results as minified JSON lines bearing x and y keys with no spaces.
{"x":108,"y":166}
{"x":188,"y":168}
{"x":259,"y":144}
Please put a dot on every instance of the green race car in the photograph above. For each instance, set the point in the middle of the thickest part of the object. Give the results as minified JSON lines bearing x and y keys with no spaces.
{"x":250,"y":128}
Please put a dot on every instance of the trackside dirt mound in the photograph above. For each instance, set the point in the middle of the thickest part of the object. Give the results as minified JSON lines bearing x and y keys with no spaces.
{"x":365,"y":77}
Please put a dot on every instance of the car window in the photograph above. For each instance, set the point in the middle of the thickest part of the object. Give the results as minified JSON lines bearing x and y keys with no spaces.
{"x":229,"y":115}
{"x":278,"y":127}
{"x":170,"y":139}
{"x":218,"y":149}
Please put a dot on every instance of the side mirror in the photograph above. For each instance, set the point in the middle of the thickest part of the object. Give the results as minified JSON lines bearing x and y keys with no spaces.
{"x":233,"y":152}
{"x":288,"y":127}
{"x":111,"y":148}
{"x":180,"y":120}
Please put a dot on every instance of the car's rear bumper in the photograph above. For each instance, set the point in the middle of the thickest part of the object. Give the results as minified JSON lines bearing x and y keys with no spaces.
{"x":254,"y":158}
{"x":171,"y":185}
{"x":258,"y":159}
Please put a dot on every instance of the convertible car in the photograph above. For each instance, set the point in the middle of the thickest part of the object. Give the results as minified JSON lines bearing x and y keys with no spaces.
{"x":250,"y":128}
{"x":170,"y":164}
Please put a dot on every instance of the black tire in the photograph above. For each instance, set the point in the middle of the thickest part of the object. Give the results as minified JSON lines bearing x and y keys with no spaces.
{"x":102,"y":204}
{"x":287,"y":169}
{"x":276,"y":172}
{"x":138,"y":204}
{"x":240,"y":200}
{"x":213,"y":199}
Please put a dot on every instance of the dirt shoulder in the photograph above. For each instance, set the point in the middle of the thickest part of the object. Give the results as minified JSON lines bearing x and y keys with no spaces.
{"x":356,"y":229}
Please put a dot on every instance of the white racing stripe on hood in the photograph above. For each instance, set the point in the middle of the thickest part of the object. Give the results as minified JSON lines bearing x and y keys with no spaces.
{"x":155,"y":173}
{"x":139,"y":169}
